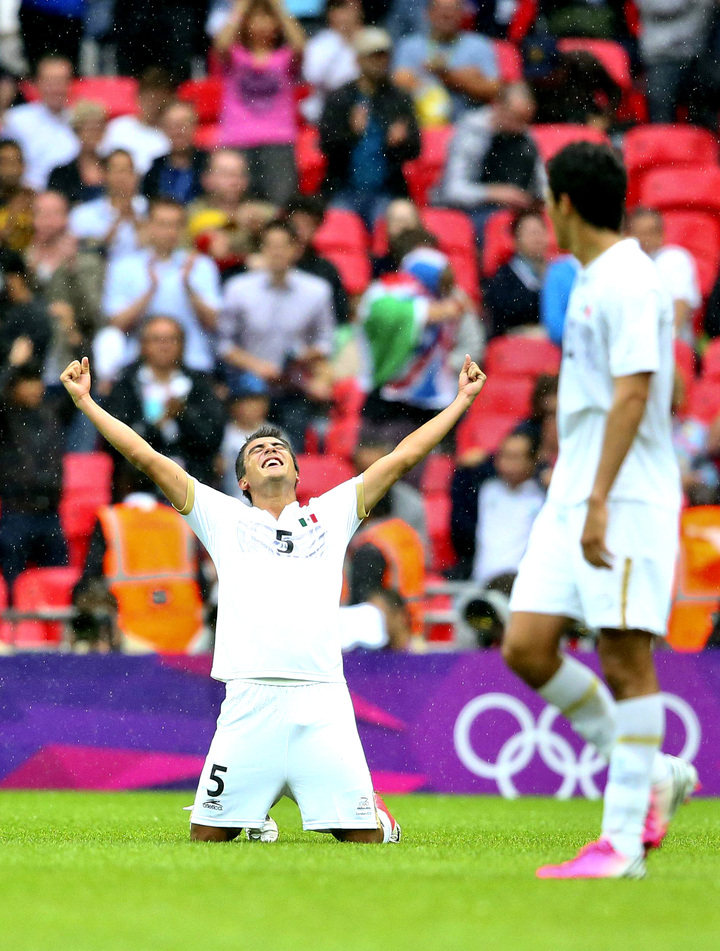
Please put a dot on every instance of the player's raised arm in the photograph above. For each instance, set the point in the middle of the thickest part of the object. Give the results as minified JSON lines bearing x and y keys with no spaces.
{"x":167,"y":475}
{"x":384,"y":473}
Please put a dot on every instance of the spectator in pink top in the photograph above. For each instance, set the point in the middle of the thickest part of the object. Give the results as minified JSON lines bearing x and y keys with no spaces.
{"x":260,"y":48}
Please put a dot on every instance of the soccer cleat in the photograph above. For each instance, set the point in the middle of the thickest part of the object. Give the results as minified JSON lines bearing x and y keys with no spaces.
{"x":268,"y":832}
{"x":596,"y":860}
{"x":666,"y":797}
{"x":395,"y":830}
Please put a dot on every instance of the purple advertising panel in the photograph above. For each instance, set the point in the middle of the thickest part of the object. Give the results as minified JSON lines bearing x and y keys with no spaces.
{"x":444,"y":723}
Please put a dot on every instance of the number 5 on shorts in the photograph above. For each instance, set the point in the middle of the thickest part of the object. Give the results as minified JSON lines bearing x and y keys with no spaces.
{"x":218,"y":791}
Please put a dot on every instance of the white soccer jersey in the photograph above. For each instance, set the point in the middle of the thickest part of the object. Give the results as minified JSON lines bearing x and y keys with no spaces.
{"x":279,"y":581}
{"x":619,"y":322}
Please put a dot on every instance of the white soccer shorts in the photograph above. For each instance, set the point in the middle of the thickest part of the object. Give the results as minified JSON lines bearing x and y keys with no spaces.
{"x":636,"y":594}
{"x":301,"y":741}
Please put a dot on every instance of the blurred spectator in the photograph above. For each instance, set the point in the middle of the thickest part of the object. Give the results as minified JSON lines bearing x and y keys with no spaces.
{"x":383,"y":622}
{"x":83,"y":178}
{"x":9,"y":93}
{"x":675,"y":266}
{"x":401,"y":215}
{"x":16,"y":200}
{"x":411,"y":323}
{"x":597,"y":19}
{"x":330,"y":59}
{"x":555,"y":293}
{"x":52,"y":28}
{"x":711,"y":323}
{"x":512,"y":295}
{"x":178,"y":174}
{"x":704,"y":103}
{"x":492,"y":161}
{"x":52,"y":243}
{"x":367,"y":131}
{"x":42,"y":129}
{"x":406,"y":503}
{"x":248,"y":410}
{"x":386,"y":553}
{"x":24,"y":321}
{"x":170,"y":405}
{"x":495,"y":16}
{"x":541,"y":426}
{"x":224,"y":222}
{"x":259,"y":47}
{"x":162,"y":278}
{"x":141,"y":135}
{"x":697,"y":448}
{"x":277,"y":327}
{"x":30,"y":476}
{"x":306,"y":213}
{"x":447,"y":69}
{"x":162,"y":33}
{"x":671,"y":37}
{"x":111,"y":224}
{"x":494,"y":507}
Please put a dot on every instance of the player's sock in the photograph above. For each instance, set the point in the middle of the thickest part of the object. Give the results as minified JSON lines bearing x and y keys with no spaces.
{"x":639,"y":733}
{"x":582,"y":697}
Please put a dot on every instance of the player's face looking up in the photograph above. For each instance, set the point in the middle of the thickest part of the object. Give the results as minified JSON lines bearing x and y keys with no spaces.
{"x":267,"y":461}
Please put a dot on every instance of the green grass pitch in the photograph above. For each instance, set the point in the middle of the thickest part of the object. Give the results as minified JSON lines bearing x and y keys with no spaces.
{"x":115,"y":872}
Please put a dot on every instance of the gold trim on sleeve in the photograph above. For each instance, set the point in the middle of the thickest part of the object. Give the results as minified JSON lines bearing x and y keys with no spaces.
{"x":624,"y":585}
{"x":189,"y":498}
{"x":360,"y":493}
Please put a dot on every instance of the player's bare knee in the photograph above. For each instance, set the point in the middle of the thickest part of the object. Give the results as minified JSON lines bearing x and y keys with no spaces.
{"x":200,"y":833}
{"x":627,"y":663}
{"x":361,"y":836}
{"x":532,"y":664}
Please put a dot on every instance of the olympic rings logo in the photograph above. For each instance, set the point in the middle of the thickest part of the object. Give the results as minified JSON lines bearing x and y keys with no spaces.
{"x":555,"y":751}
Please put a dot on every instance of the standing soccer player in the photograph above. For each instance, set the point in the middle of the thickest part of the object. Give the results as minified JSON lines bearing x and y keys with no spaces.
{"x":603,"y":548}
{"x":287,"y":724}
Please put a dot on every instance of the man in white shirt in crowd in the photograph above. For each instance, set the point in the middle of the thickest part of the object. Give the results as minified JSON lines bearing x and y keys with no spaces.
{"x":507,"y":507}
{"x":141,"y":135}
{"x":277,"y":325}
{"x":602,"y":550}
{"x":112,"y":223}
{"x":162,"y":278}
{"x":676,"y":267}
{"x":330,"y":60}
{"x":287,"y":724}
{"x":42,"y":129}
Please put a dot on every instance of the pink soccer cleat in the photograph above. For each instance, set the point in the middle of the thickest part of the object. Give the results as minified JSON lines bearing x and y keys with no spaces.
{"x":395,"y":830}
{"x":596,"y":860}
{"x":666,"y":797}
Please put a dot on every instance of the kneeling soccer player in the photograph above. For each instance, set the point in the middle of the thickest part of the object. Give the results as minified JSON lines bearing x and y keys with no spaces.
{"x":287,"y":724}
{"x":603,"y":548}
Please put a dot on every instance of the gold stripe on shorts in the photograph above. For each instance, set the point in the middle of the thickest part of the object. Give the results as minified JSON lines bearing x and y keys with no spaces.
{"x":624,"y":585}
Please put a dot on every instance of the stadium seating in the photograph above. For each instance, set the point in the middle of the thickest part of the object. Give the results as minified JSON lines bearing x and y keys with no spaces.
{"x":117,"y":93}
{"x":612,"y":56}
{"x":38,"y":589}
{"x":437,"y":518}
{"x":310,"y":160}
{"x":205,"y":95}
{"x":437,"y":474}
{"x":551,"y":138}
{"x":5,"y":629}
{"x":509,"y":395}
{"x":515,"y":355}
{"x":703,"y":400}
{"x":682,"y":189}
{"x":207,"y":137}
{"x":343,"y":231}
{"x":509,"y":61}
{"x":353,"y":267}
{"x":656,"y":146}
{"x":483,"y":431}
{"x":685,"y":362}
{"x":711,"y":361}
{"x":424,"y":172}
{"x":318,"y":474}
{"x":87,"y":479}
{"x":344,"y":425}
{"x":699,"y":233}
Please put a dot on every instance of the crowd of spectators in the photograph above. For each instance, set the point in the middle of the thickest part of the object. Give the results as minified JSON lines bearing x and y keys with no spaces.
{"x":190,"y":267}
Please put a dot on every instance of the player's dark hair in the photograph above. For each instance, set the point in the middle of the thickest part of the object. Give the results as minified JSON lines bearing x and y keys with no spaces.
{"x":594,"y":179}
{"x":265,"y":432}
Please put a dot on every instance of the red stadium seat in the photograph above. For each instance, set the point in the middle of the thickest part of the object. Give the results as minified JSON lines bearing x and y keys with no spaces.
{"x":682,"y":189}
{"x":699,"y":233}
{"x":207,"y":137}
{"x":5,"y":629}
{"x":310,"y":160}
{"x":343,"y":231}
{"x":353,"y":267}
{"x":453,"y":229}
{"x":685,"y":362}
{"x":424,"y":172}
{"x":437,"y":517}
{"x":498,"y":246}
{"x":509,"y":61}
{"x":38,"y":589}
{"x":508,"y":395}
{"x":657,"y":146}
{"x":344,"y":425}
{"x":483,"y":431}
{"x":515,"y":355}
{"x":319,"y":474}
{"x":87,"y":480}
{"x":711,"y":361}
{"x":117,"y":93}
{"x":703,"y":401}
{"x":612,"y":56}
{"x":437,"y":474}
{"x":551,"y":139}
{"x":205,"y":95}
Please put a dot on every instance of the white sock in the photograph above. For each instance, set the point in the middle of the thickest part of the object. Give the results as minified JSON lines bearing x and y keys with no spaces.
{"x":386,"y":824}
{"x":583,"y":699}
{"x":640,"y":730}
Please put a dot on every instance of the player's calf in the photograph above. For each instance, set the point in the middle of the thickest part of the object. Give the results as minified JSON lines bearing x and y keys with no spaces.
{"x":388,"y":829}
{"x":200,"y":833}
